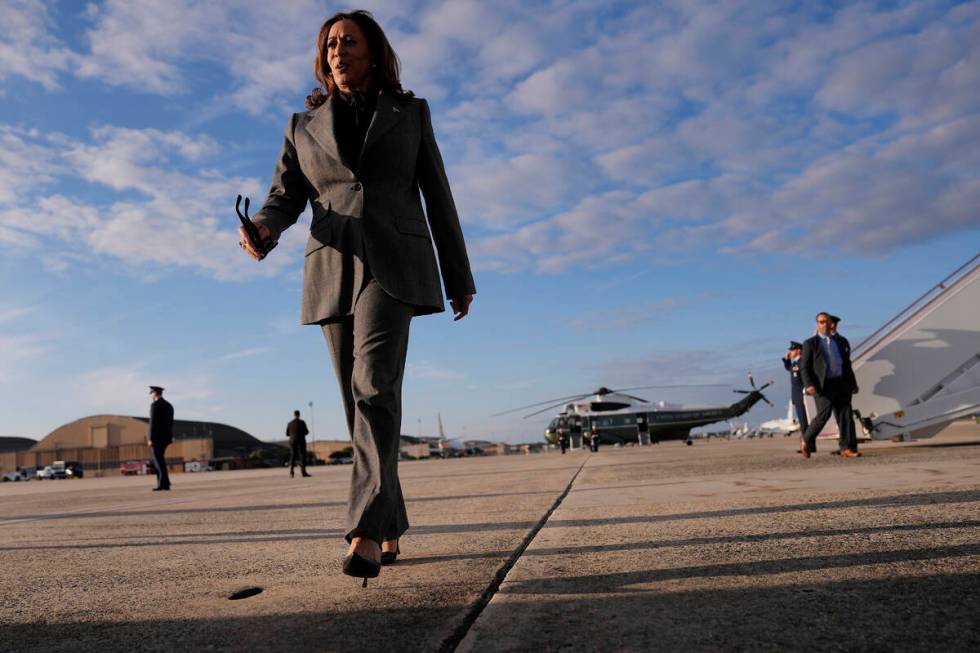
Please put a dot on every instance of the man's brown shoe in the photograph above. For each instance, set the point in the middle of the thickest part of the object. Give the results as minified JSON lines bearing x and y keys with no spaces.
{"x":805,"y":450}
{"x":848,"y":453}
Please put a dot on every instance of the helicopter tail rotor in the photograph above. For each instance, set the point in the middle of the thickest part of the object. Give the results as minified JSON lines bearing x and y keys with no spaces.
{"x":756,"y":390}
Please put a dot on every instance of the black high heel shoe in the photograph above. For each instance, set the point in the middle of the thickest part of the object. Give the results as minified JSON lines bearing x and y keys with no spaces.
{"x":389,"y":557}
{"x":358,"y":566}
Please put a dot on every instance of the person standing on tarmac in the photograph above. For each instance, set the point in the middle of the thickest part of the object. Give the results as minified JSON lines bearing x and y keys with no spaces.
{"x":791,"y":361}
{"x":642,"y":431}
{"x":562,"y":435}
{"x":161,"y":434}
{"x":296,"y":431}
{"x":594,"y":439}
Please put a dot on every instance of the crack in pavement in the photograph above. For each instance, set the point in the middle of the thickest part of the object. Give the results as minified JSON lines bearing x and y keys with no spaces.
{"x":476,"y":609}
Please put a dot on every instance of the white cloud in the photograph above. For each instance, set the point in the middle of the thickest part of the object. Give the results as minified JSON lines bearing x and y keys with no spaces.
{"x":927,"y":74}
{"x":633,"y":314}
{"x":11,"y":313}
{"x":573,"y":136}
{"x":600,"y":231}
{"x":113,"y":388}
{"x":244,"y":353}
{"x":503,"y":193}
{"x":172,"y":211}
{"x":28,"y":159}
{"x":730,"y":127}
{"x":141,"y":43}
{"x":876,"y":197}
{"x":158,"y":46}
{"x":124,"y":390}
{"x":18,"y":351}
{"x":426,"y":371}
{"x":696,"y":365}
{"x":27,"y":48}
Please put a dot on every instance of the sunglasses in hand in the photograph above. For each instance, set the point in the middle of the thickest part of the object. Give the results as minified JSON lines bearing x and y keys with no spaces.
{"x":263,"y":247}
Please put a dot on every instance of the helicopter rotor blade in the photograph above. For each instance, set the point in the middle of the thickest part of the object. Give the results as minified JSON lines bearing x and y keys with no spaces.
{"x":559,"y":400}
{"x":640,"y":399}
{"x":675,"y":385}
{"x":543,"y":410}
{"x":743,"y":392}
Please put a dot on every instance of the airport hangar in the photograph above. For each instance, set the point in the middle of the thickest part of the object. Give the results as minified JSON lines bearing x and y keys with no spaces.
{"x":101,"y":442}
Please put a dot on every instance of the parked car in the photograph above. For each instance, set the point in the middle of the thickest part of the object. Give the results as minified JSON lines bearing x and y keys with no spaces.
{"x":197,"y":466}
{"x":133,"y":468}
{"x":59,"y":469}
{"x":74,"y":470}
{"x":45,"y":472}
{"x":19,"y":475}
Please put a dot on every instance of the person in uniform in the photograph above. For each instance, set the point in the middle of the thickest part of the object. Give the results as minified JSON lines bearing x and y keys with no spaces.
{"x":642,"y":431}
{"x":161,"y":434}
{"x":594,"y":439}
{"x":825,"y":367}
{"x":296,"y":431}
{"x":562,"y":434}
{"x":834,"y":321}
{"x":791,"y":361}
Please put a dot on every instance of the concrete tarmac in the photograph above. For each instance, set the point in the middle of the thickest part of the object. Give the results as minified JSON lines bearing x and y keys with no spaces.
{"x":721,"y":546}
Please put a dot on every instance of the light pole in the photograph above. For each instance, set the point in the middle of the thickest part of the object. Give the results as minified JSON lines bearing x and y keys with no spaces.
{"x":313,"y":430}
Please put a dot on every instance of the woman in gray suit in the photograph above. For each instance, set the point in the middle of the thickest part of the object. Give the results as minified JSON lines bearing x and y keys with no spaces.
{"x":360,"y":156}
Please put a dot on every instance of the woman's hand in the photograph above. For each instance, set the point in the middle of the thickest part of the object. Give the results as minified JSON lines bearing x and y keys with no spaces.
{"x":460,"y":306}
{"x":246,"y":244}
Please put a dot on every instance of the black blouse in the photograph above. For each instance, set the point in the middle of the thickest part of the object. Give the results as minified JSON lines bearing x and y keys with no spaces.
{"x":352,"y":116}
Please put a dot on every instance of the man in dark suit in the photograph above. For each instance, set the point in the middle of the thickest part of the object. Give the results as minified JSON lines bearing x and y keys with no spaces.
{"x":296,"y":431}
{"x":161,"y":434}
{"x":825,"y":367}
{"x":791,"y":361}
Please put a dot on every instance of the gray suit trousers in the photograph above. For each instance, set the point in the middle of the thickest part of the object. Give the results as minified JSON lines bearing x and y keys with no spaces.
{"x":368,"y":350}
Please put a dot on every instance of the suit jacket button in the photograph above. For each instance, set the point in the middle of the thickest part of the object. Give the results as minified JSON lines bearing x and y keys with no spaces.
{"x":356,"y":187}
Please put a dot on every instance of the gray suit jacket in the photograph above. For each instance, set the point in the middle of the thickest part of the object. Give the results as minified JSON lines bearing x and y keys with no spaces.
{"x":375,"y":215}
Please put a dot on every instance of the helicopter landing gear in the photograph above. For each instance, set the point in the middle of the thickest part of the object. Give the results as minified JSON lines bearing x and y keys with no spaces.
{"x":689,"y":442}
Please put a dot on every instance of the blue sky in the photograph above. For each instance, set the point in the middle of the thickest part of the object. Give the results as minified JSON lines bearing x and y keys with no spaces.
{"x":651,"y":192}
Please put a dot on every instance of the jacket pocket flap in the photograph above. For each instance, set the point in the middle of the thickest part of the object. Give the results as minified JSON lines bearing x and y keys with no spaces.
{"x":412,"y":226}
{"x":321,"y":232}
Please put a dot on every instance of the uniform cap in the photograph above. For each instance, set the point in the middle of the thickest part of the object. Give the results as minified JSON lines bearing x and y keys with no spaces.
{"x":795,"y":345}
{"x":156,"y":388}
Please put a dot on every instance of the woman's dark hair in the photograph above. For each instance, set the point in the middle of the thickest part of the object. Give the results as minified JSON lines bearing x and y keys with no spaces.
{"x":385,"y":62}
